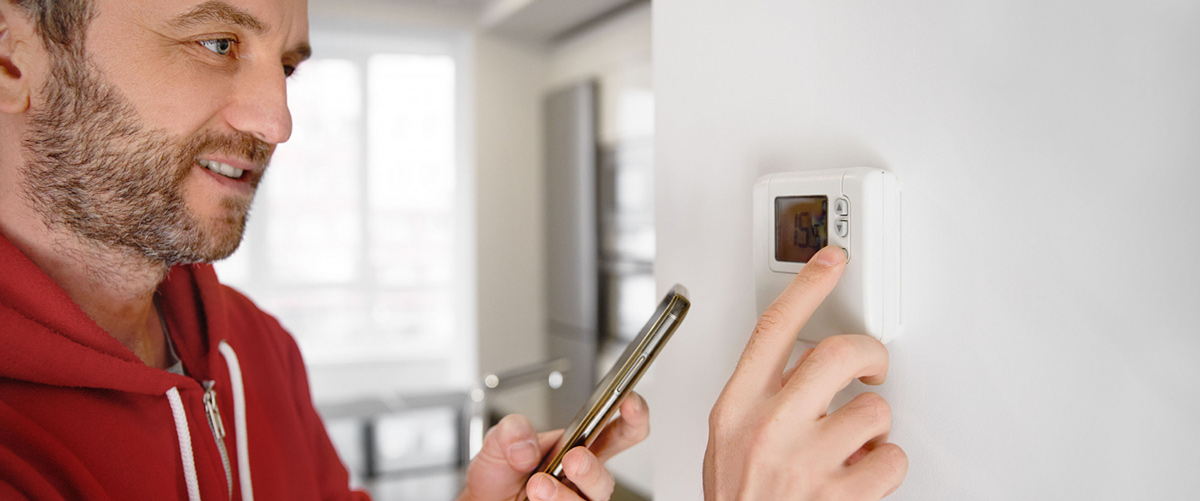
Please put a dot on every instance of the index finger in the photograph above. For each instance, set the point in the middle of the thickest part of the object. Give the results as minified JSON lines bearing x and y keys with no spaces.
{"x":632,"y":427}
{"x":774,"y":335}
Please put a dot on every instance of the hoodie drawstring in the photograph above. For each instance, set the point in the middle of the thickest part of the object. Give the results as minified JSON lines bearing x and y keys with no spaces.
{"x":239,"y":419}
{"x":185,"y":444}
{"x":239,"y":426}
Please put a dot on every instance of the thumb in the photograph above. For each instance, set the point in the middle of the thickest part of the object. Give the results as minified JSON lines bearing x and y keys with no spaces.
{"x":510,"y":451}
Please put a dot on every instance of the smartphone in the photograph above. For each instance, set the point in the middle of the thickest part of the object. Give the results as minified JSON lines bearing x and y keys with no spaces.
{"x":618,"y":383}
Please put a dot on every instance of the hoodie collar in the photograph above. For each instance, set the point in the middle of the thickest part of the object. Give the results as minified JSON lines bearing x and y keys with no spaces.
{"x":46,"y":338}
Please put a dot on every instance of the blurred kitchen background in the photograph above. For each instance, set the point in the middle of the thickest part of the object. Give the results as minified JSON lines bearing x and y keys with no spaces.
{"x":461,"y":225}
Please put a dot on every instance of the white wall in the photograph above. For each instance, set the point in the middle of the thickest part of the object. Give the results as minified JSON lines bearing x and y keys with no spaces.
{"x":1049,"y":154}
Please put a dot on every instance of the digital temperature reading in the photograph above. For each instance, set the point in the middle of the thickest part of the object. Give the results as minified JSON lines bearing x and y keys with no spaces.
{"x":801,"y":227}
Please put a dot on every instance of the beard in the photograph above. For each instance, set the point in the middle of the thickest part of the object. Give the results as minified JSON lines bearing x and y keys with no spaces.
{"x":95,"y":169}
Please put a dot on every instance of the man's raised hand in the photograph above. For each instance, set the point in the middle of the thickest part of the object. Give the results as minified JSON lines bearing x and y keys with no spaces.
{"x":770,"y":436}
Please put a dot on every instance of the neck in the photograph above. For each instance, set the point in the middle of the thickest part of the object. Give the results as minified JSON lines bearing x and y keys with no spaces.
{"x":114,"y":287}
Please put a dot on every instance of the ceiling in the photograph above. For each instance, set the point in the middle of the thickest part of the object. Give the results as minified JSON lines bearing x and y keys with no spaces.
{"x":544,"y":20}
{"x":535,"y":21}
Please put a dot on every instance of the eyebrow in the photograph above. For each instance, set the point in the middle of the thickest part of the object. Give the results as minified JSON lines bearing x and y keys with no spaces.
{"x":303,"y":51}
{"x":215,"y":11}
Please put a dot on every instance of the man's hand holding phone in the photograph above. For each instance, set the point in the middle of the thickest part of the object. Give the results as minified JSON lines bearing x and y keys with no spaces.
{"x":512,"y":449}
{"x":575,"y":456}
{"x":769,"y":434}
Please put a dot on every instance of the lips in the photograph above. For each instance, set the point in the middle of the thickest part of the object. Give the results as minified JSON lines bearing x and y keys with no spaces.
{"x":226,"y":170}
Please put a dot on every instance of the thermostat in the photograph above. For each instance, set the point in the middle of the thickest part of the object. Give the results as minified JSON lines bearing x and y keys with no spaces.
{"x":858,"y":209}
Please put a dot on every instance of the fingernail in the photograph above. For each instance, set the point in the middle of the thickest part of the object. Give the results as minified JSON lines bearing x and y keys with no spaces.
{"x":523,"y":453}
{"x":580,"y":464}
{"x":830,"y":256}
{"x":545,"y":488}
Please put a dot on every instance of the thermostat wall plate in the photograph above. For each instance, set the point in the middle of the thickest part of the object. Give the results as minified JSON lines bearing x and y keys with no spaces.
{"x":858,"y":209}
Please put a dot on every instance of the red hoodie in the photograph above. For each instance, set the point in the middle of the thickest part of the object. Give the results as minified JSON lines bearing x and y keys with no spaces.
{"x":81,"y":417}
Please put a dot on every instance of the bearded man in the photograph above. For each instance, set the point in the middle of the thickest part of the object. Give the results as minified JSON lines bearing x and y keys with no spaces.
{"x":133,"y":135}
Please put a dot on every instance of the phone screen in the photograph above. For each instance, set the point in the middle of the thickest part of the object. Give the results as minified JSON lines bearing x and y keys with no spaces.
{"x":618,"y":382}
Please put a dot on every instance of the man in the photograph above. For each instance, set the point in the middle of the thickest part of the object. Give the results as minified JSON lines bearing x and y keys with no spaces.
{"x":133,"y":134}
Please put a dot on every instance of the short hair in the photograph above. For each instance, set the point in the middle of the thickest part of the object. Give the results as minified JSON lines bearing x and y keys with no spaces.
{"x":61,"y":24}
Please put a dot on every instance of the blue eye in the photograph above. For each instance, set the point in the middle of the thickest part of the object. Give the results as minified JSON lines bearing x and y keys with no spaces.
{"x":220,"y":46}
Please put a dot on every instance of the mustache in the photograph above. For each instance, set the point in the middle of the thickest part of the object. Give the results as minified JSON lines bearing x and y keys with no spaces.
{"x":240,"y":145}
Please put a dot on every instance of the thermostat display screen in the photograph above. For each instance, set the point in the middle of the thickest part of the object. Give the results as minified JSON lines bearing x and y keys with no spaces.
{"x":801,"y":227}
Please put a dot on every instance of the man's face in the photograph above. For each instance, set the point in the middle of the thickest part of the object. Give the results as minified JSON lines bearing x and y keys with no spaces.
{"x":154,"y":140}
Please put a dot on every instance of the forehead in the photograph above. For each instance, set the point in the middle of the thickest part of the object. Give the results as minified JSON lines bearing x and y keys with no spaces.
{"x":286,"y":20}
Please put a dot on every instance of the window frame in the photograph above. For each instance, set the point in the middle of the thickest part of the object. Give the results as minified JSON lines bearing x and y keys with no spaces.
{"x":456,"y":357}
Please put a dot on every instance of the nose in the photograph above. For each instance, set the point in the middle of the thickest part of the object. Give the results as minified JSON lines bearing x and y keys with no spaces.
{"x":258,"y":104}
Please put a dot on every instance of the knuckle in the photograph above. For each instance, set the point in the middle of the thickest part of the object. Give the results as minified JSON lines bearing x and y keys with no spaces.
{"x":511,"y":421}
{"x":635,"y":434}
{"x":825,"y":492}
{"x":582,"y":464}
{"x":764,"y":437}
{"x":894,"y":458}
{"x":514,"y":424}
{"x":495,"y":432}
{"x":877,"y":408}
{"x":718,"y":418}
{"x":835,"y":348}
{"x":771,"y":321}
{"x":603,"y":493}
{"x":606,"y":485}
{"x":635,"y":409}
{"x":895,"y":454}
{"x":512,"y":428}
{"x":640,"y":405}
{"x":505,"y":422}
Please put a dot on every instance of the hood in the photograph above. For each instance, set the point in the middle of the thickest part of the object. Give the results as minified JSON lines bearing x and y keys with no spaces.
{"x":46,"y":338}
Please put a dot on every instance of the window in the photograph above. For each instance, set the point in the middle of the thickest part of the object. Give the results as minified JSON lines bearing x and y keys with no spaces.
{"x":361,"y":225}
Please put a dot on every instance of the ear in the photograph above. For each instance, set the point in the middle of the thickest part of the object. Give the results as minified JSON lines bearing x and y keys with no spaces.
{"x":16,"y":36}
